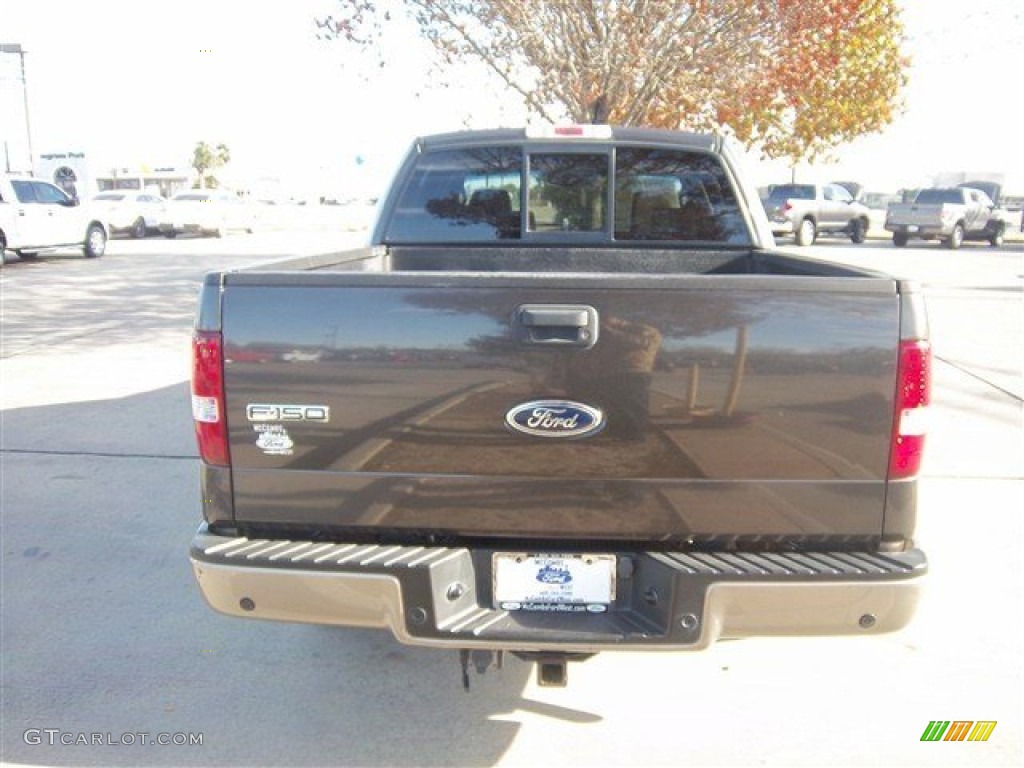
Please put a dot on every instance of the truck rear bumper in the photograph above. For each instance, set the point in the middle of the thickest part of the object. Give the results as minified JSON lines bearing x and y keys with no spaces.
{"x":915,"y":230}
{"x":441,"y":597}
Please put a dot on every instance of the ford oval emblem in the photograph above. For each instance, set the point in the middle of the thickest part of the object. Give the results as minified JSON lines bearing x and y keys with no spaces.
{"x":554,"y":574}
{"x":555,"y":418}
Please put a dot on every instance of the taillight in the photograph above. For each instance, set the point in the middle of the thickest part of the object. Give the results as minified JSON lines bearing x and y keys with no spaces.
{"x":913,"y":395}
{"x":208,"y":397}
{"x":787,"y":207}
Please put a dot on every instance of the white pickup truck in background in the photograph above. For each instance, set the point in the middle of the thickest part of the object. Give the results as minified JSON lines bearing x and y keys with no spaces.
{"x":951,"y":215}
{"x":38,"y":216}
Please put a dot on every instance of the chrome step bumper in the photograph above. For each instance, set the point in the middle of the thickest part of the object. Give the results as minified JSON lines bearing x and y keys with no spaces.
{"x":441,"y":596}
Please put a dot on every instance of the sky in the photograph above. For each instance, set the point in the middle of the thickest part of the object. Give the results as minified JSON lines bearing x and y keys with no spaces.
{"x":132,"y":82}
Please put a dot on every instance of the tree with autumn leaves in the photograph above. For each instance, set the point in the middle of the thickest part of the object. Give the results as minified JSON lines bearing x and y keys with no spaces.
{"x":792,"y":77}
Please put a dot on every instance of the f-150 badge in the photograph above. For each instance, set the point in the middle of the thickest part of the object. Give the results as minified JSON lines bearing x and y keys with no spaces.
{"x":555,"y":418}
{"x":276,"y":412}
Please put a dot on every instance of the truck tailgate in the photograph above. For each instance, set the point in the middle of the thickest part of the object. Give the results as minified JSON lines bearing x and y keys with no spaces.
{"x":914,"y":215}
{"x":730,"y":406}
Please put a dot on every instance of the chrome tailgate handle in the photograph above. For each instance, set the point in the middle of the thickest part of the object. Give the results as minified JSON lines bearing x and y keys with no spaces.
{"x":574,"y":325}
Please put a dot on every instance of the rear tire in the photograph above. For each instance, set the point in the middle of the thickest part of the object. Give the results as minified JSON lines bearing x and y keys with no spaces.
{"x":956,"y":237}
{"x":3,"y":248}
{"x":900,"y":239}
{"x":95,"y":242}
{"x":139,"y":228}
{"x":806,"y":233}
{"x":170,"y":235}
{"x":858,"y":231}
{"x":997,"y":237}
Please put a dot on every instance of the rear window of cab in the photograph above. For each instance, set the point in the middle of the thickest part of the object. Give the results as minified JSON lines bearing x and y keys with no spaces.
{"x":497,"y":194}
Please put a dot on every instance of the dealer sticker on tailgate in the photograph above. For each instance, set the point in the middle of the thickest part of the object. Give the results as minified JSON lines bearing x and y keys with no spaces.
{"x":567,"y":583}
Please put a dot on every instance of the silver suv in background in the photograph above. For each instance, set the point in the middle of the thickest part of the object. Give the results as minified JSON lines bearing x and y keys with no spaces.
{"x":805,"y":211}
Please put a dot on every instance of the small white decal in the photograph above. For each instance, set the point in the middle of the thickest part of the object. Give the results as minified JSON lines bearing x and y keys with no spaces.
{"x":274,"y":440}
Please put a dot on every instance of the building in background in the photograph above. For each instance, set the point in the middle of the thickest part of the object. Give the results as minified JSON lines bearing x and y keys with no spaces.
{"x":69,"y":170}
{"x":82,"y":178}
{"x":166,"y":181}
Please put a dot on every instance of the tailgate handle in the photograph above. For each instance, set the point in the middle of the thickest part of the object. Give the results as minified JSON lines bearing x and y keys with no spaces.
{"x":556,"y":324}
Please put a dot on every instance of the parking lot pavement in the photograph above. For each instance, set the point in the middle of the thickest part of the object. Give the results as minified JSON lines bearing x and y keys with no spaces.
{"x":104,"y":631}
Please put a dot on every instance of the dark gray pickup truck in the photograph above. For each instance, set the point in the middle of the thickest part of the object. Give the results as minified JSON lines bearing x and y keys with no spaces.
{"x":568,"y":400}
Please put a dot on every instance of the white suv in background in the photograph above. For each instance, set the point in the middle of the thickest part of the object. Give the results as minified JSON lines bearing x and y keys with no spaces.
{"x":38,"y":216}
{"x":134,"y":211}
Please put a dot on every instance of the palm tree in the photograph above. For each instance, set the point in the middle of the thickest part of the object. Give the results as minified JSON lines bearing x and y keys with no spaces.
{"x":206,"y":158}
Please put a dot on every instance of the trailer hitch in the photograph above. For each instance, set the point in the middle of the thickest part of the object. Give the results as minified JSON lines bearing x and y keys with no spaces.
{"x":552,"y":668}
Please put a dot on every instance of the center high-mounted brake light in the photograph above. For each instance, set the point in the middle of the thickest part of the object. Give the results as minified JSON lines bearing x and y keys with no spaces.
{"x":208,"y":397}
{"x":569,"y":131}
{"x":913,"y":395}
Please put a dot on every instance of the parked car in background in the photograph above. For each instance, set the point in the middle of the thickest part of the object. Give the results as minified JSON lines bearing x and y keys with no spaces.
{"x":808,"y":210}
{"x":855,"y":188}
{"x":38,"y":216}
{"x":879,"y":201}
{"x":949,"y":214}
{"x":130,"y":210}
{"x":206,"y":212}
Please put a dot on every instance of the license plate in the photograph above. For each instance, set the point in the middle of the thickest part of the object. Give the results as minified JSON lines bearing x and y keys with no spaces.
{"x":563,"y":583}
{"x":912,"y":228}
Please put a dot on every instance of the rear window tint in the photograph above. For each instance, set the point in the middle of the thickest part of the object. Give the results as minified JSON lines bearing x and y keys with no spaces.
{"x":469,"y":195}
{"x":675,"y":196}
{"x":568,"y":192}
{"x":937,"y":196}
{"x":784,"y":192}
{"x":477,"y":195}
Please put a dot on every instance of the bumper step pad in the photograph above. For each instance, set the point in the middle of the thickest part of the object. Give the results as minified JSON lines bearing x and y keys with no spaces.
{"x":441,"y":596}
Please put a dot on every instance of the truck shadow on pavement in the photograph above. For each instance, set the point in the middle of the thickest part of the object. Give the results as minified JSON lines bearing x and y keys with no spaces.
{"x":109,"y":648}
